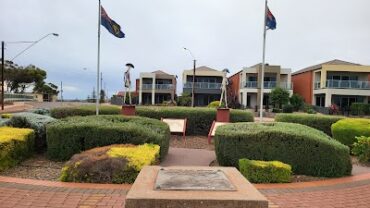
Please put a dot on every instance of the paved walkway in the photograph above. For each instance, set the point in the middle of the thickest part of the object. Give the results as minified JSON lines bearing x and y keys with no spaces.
{"x":335,"y":193}
{"x":21,"y":193}
{"x":188,"y":157}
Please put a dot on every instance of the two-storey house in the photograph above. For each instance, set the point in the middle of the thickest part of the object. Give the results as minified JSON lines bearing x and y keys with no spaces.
{"x":246,"y":84}
{"x":335,"y":82}
{"x":156,"y":87}
{"x":207,"y":87}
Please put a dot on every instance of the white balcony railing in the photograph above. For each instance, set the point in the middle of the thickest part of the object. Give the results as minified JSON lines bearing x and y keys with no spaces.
{"x":267,"y":85}
{"x":157,"y":86}
{"x":348,"y":84}
{"x":202,"y":85}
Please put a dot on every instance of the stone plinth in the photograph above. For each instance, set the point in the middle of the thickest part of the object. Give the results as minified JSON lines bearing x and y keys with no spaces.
{"x":128,"y":110}
{"x":193,"y":187}
{"x":223,"y":115}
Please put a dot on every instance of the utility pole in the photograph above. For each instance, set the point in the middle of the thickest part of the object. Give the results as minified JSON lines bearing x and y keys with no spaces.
{"x":2,"y":74}
{"x":192,"y":89}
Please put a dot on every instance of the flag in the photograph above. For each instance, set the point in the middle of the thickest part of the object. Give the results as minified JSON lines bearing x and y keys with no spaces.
{"x":270,"y":20}
{"x":111,"y":25}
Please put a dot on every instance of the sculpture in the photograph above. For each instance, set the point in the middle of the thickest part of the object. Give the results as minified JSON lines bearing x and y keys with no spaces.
{"x":127,"y":83}
{"x":224,"y":84}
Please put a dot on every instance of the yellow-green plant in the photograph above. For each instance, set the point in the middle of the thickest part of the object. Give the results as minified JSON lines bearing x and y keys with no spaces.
{"x":265,"y":171}
{"x":361,"y":148}
{"x":6,"y":116}
{"x":138,"y":156}
{"x":15,"y":145}
{"x":110,"y":164}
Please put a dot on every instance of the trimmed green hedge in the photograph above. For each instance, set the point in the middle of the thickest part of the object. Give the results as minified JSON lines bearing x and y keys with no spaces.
{"x":34,"y":121}
{"x":346,"y":130}
{"x":85,"y":110}
{"x":307,"y":150}
{"x":320,"y":122}
{"x":72,"y":135}
{"x":360,"y":109}
{"x":199,"y":119}
{"x":361,"y":148}
{"x":265,"y":172}
{"x":16,"y":145}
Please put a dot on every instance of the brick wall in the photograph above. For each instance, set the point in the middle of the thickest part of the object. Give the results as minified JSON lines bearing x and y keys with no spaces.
{"x":302,"y":85}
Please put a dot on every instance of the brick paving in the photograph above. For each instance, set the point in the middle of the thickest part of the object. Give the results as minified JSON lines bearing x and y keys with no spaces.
{"x":335,"y":193}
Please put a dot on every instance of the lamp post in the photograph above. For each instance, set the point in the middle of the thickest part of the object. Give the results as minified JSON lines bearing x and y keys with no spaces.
{"x":20,"y":53}
{"x":194,"y":67}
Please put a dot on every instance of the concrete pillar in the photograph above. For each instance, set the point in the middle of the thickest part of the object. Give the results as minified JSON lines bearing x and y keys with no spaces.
{"x":141,"y":91}
{"x":328,"y":99}
{"x":153,"y":91}
{"x":323,"y":78}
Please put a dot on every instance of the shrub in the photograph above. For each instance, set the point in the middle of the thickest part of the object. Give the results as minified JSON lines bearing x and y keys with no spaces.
{"x":276,"y":110}
{"x":265,"y":172}
{"x":308,"y":109}
{"x":111,"y":164}
{"x":288,"y":108}
{"x":36,"y":122}
{"x":41,"y":111}
{"x":361,"y":148}
{"x":15,"y":146}
{"x":307,"y":150}
{"x":346,"y":130}
{"x":72,"y":135}
{"x":199,"y":119}
{"x":86,"y":110}
{"x":320,"y":122}
{"x":297,"y":102}
{"x":184,"y":100}
{"x":214,"y":104}
{"x":360,"y":109}
{"x":6,"y":116}
{"x":279,"y":97}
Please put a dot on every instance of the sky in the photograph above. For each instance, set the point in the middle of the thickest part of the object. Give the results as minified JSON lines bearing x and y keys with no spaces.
{"x":220,"y":33}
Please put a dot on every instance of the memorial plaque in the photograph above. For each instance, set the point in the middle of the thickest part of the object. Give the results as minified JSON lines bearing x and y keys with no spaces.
{"x":176,"y":125}
{"x":193,"y":187}
{"x":201,"y":180}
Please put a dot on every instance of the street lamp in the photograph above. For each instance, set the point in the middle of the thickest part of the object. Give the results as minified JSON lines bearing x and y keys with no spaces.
{"x":3,"y":60}
{"x":192,"y":88}
{"x":34,"y":43}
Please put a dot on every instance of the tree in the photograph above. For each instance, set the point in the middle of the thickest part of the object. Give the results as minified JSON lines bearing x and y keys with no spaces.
{"x":184,"y":99}
{"x":102,"y":96}
{"x":19,"y":78}
{"x":279,"y":97}
{"x":297,"y":102}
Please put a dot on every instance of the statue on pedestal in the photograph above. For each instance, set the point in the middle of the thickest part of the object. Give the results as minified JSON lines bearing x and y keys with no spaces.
{"x":127,"y":83}
{"x":224,"y":84}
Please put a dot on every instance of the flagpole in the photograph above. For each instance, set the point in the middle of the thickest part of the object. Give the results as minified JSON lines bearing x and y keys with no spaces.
{"x":98,"y":64}
{"x":263,"y":63}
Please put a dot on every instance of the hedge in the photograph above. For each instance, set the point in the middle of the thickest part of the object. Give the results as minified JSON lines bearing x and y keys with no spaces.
{"x":33,"y":121}
{"x":111,"y":164}
{"x":320,"y":122}
{"x":85,"y":110}
{"x":361,"y":148}
{"x":199,"y":119}
{"x":307,"y":150}
{"x":265,"y":172}
{"x":15,"y":146}
{"x":346,"y":130}
{"x":360,"y":109}
{"x":72,"y":135}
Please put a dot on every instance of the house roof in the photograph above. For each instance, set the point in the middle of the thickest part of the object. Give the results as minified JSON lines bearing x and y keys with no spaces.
{"x":205,"y":68}
{"x":161,"y":72}
{"x":319,"y":66}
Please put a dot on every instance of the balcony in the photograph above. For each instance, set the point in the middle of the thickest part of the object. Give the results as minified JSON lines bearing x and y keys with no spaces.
{"x":203,"y":85}
{"x":157,"y":86}
{"x":267,"y":85}
{"x":348,"y":84}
